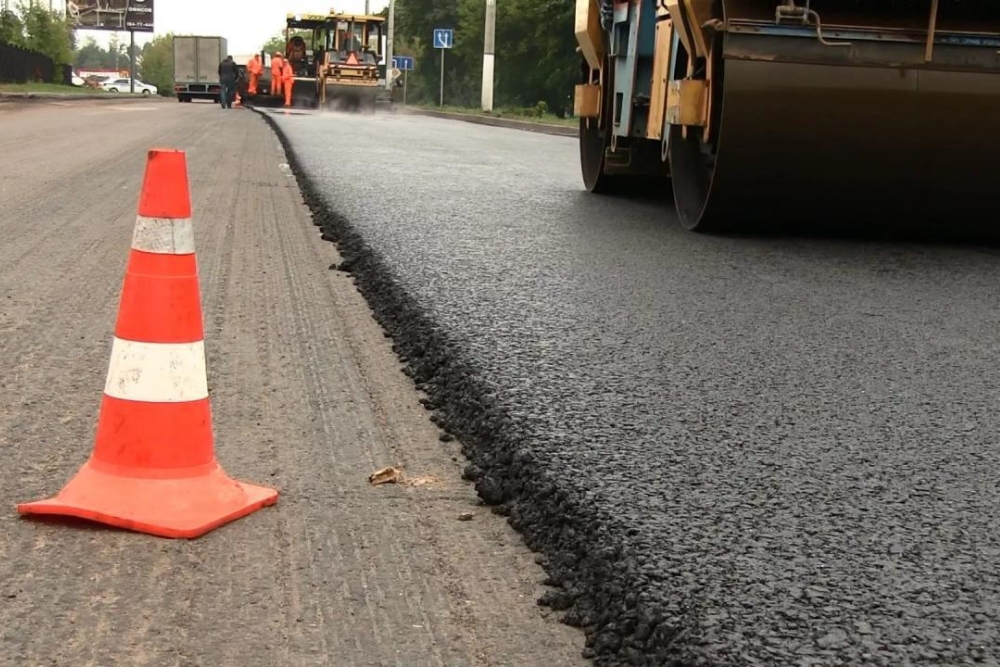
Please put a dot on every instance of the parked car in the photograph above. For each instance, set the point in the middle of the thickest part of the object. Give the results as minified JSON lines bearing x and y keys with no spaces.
{"x":122,"y":86}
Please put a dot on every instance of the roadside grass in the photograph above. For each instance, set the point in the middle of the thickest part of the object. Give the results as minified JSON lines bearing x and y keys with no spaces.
{"x":47,"y":88}
{"x":529,"y":114}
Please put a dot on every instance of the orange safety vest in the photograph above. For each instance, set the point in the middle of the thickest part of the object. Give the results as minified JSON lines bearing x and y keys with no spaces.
{"x":255,"y":66}
{"x":276,"y":66}
{"x":287,"y":73}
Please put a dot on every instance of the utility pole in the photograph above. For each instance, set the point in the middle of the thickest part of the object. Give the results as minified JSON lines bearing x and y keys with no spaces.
{"x":488,"y":47}
{"x":367,"y":8}
{"x":388,"y":45}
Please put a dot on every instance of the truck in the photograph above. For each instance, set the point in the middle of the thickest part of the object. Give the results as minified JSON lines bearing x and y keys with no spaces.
{"x":196,"y":67}
{"x":792,"y":110}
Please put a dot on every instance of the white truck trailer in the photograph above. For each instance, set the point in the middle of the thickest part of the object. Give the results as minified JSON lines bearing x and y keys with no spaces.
{"x":196,"y":67}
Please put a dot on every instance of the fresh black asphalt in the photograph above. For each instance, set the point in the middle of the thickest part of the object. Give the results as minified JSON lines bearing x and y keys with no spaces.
{"x":767,"y":450}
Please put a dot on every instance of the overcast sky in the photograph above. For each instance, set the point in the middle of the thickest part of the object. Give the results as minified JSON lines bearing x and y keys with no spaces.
{"x":246,"y":25}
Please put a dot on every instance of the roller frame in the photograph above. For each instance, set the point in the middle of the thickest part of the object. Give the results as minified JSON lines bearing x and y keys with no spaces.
{"x":959,"y":65}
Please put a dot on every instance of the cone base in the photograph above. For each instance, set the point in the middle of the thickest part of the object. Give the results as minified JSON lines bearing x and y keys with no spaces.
{"x":176,"y":508}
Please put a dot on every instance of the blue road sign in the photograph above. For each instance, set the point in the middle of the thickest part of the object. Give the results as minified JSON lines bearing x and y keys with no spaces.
{"x":403,"y":63}
{"x":444,"y":38}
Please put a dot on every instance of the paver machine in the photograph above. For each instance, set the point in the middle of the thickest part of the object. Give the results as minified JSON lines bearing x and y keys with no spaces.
{"x":759,"y":109}
{"x":336,"y":60}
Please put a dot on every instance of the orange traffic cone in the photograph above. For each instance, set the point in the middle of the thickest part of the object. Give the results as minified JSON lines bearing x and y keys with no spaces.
{"x":153,"y":467}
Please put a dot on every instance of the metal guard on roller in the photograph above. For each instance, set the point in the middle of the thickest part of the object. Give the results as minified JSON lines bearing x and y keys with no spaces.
{"x":759,"y":110}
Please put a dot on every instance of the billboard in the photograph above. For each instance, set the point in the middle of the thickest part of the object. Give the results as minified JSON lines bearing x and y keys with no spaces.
{"x":119,"y":15}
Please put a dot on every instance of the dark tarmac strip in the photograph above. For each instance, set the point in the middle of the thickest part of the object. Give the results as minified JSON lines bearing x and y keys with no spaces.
{"x":732,"y":451}
{"x":306,"y":396}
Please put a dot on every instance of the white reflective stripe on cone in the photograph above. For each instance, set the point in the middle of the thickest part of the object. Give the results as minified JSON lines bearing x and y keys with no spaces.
{"x":157,"y":372}
{"x":164,"y":236}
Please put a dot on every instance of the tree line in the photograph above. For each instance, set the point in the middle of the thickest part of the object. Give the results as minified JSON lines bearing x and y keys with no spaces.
{"x":35,"y":28}
{"x":536,"y":60}
{"x":154,"y":60}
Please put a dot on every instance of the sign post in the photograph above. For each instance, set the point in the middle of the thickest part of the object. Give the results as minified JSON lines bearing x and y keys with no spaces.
{"x":390,"y":32}
{"x":404,"y":64}
{"x":444,"y":38}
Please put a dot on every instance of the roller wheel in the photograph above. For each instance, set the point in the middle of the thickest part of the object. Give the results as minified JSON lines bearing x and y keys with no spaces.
{"x":692,"y":161}
{"x":369,"y":104}
{"x":595,"y":138}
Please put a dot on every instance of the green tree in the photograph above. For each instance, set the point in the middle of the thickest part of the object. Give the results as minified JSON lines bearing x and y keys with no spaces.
{"x":93,"y":56}
{"x":48,"y":33}
{"x":536,"y":59}
{"x":156,"y":63}
{"x":11,"y":28}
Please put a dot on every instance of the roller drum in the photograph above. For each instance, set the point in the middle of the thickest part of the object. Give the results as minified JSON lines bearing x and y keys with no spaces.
{"x":804,"y":141}
{"x":356,"y":99}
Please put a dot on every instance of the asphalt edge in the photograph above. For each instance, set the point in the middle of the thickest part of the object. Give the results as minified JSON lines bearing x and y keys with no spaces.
{"x":525,"y":125}
{"x":591,"y":579}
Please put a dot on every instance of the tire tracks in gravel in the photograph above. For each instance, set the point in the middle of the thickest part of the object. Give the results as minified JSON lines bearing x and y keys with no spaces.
{"x":306,"y":325}
{"x":45,"y":331}
{"x":458,"y":587}
{"x":24,"y":244}
{"x":463,"y":406}
{"x":26,"y":190}
{"x":71,"y":259}
{"x":306,"y":397}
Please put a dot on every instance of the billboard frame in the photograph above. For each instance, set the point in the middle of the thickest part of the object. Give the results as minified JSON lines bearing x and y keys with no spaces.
{"x":111,"y":15}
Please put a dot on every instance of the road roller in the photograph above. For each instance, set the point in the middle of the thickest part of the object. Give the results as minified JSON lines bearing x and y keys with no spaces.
{"x":758,"y":110}
{"x":346,"y":71}
{"x":335,"y":61}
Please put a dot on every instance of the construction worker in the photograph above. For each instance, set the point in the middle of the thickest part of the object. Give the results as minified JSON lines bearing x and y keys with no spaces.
{"x":228,"y":75}
{"x":277,"y":67}
{"x":254,"y":69}
{"x":287,"y":82}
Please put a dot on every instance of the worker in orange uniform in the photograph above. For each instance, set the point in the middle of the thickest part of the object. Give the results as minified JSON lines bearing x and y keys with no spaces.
{"x":277,"y":67}
{"x":254,"y":68}
{"x":287,"y":81}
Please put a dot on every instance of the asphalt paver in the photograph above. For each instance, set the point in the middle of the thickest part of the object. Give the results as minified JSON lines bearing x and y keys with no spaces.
{"x":307,"y":396}
{"x":756,"y":450}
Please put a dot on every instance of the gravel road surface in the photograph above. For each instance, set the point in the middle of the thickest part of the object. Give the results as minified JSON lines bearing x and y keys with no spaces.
{"x":767,"y":450}
{"x":307,"y":396}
